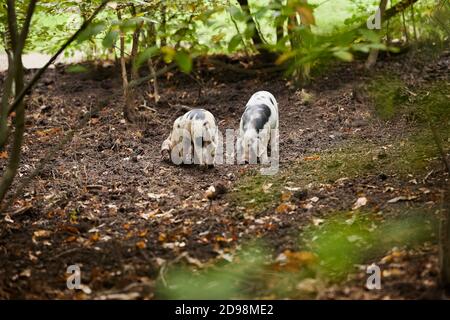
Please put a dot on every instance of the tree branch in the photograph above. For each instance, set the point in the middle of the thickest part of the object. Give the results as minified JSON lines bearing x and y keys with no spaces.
{"x":38,"y":74}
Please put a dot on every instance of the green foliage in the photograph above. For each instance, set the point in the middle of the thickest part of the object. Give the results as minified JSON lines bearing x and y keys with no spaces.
{"x":216,"y":282}
{"x":77,"y":68}
{"x":348,"y":239}
{"x":329,"y":252}
{"x":313,"y":32}
{"x":184,"y":61}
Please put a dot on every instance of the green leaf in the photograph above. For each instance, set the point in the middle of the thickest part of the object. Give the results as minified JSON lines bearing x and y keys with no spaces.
{"x":234,"y":42}
{"x":343,"y":55}
{"x":92,"y":30}
{"x":184,"y":61}
{"x":110,"y":38}
{"x":76,"y":68}
{"x":237,"y":13}
{"x":370,"y":35}
{"x":145,"y":55}
{"x":168,"y":53}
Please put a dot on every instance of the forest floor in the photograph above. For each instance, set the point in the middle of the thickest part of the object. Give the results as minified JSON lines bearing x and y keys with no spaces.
{"x":109,"y":204}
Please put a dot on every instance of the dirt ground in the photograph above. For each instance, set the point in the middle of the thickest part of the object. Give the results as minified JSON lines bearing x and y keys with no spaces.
{"x":109,"y":204}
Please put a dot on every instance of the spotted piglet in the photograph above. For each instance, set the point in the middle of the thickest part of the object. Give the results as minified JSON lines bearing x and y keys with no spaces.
{"x":193,"y":137}
{"x":259,"y":123}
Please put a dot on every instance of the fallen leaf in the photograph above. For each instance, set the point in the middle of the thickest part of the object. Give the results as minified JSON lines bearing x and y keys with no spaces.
{"x":94,"y":120}
{"x":71,"y":239}
{"x":308,"y":285}
{"x":26,"y":273}
{"x":42,"y":234}
{"x":360,"y":202}
{"x":266,"y":187}
{"x":317,"y":221}
{"x":4,"y":155}
{"x":294,"y":261}
{"x":48,"y":132}
{"x":162,"y":237}
{"x":285,"y":208}
{"x":286,"y":196}
{"x":141,"y":244}
{"x":95,"y":237}
{"x":312,"y":158}
{"x":393,"y":272}
{"x":402,"y":198}
{"x":8,"y":219}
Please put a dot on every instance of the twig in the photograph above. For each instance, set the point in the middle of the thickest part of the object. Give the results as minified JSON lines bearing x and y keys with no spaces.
{"x":242,"y":70}
{"x":158,"y":73}
{"x":180,"y":106}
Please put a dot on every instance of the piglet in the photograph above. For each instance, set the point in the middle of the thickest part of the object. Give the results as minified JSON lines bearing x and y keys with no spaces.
{"x":259,"y":123}
{"x":193,"y":137}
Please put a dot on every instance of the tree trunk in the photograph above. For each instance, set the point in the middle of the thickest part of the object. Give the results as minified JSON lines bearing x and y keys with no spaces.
{"x":163,"y":27}
{"x":16,"y":72}
{"x":373,"y":55}
{"x":413,"y":20}
{"x":256,"y":38}
{"x":128,"y":110}
{"x":279,"y":25}
{"x":405,"y":30}
{"x":7,"y":90}
{"x":16,"y":41}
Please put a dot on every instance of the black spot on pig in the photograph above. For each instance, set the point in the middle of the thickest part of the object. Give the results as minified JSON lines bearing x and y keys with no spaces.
{"x":196,"y":114}
{"x":256,"y":116}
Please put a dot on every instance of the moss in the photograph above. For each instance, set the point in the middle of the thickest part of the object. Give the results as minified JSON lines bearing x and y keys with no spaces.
{"x":250,"y":191}
{"x":387,"y":94}
{"x":358,"y":158}
{"x":432,"y":103}
{"x":391,"y":97}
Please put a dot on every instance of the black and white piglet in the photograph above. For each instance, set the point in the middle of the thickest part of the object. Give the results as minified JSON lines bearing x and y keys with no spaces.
{"x":194,"y":134}
{"x":259,"y":123}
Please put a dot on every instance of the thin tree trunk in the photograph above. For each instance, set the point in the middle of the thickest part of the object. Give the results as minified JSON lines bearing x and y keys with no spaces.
{"x":17,"y":43}
{"x":279,"y":26}
{"x":151,"y":68}
{"x":41,"y":71}
{"x":163,"y":38}
{"x":413,"y":19}
{"x":127,"y":107}
{"x":7,"y":90}
{"x":373,"y":55}
{"x":135,"y":46}
{"x":19,"y":128}
{"x":405,"y":30}
{"x":244,"y":41}
{"x":256,"y":38}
